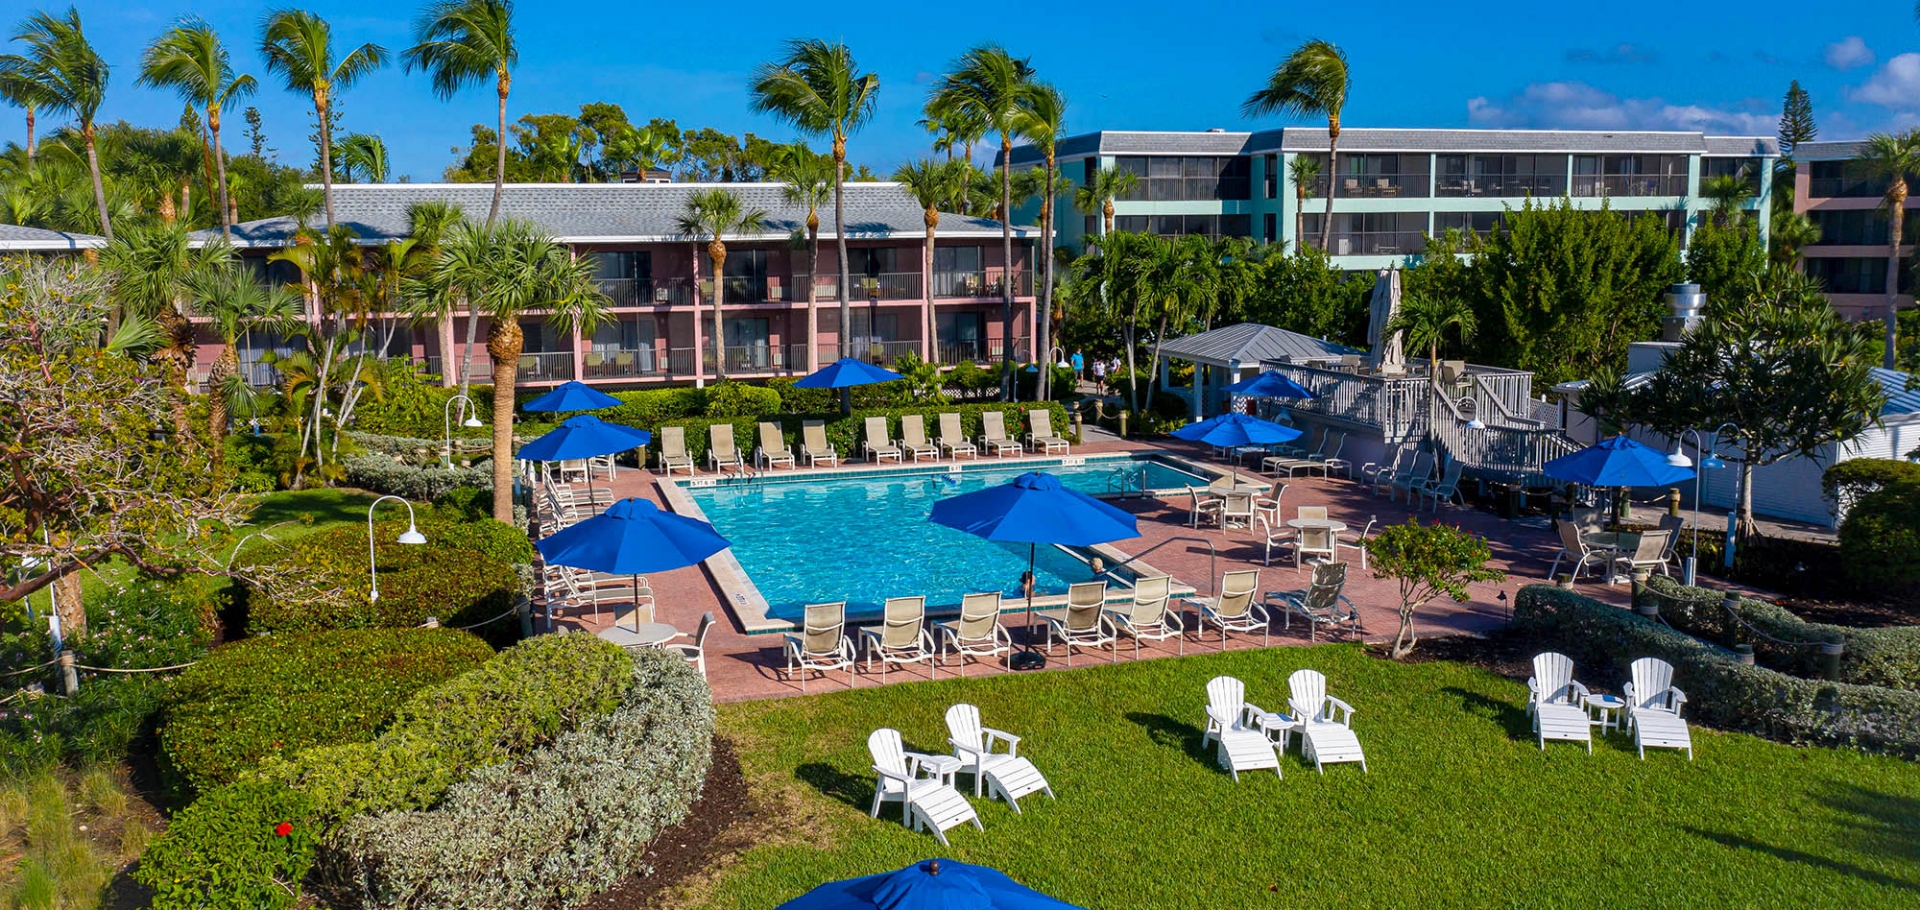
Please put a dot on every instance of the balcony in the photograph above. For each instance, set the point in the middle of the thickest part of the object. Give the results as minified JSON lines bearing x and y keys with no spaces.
{"x":888,"y":286}
{"x":1843,"y":188}
{"x":985,"y":351}
{"x":637,"y":292}
{"x":1495,"y":186}
{"x":1373,"y":243}
{"x":982,"y":284}
{"x":759,"y":358}
{"x":545,"y":366}
{"x":1629,"y":185}
{"x":626,"y":363}
{"x":1376,"y":186}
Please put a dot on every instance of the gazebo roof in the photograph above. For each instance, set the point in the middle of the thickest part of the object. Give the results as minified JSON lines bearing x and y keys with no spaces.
{"x":1249,"y":344}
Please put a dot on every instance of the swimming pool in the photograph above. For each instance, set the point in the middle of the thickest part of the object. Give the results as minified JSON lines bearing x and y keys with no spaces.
{"x":866,"y":537}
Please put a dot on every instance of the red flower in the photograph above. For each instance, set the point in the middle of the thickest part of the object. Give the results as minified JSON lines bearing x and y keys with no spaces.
{"x":283,"y":829}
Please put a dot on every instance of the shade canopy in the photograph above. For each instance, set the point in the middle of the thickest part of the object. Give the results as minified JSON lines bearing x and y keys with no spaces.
{"x":584,"y":436}
{"x":1228,"y":430}
{"x":1617,"y":462}
{"x":573,"y":395}
{"x":1271,"y":384}
{"x":633,"y":537}
{"x":1035,"y":508}
{"x":943,"y":884}
{"x":843,"y":373}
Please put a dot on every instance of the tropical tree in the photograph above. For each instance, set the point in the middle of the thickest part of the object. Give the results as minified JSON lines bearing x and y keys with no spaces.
{"x":22,"y":88}
{"x":991,"y":86}
{"x":1891,"y":158}
{"x":1312,"y":81}
{"x":809,"y":181}
{"x":1115,"y":277}
{"x":462,"y":42}
{"x":1790,"y":233}
{"x":711,"y":215}
{"x":234,"y":303}
{"x":190,"y":59}
{"x":1425,"y":321}
{"x":1428,"y":561}
{"x":819,"y":89}
{"x":1304,"y":171}
{"x":153,"y":266}
{"x":1106,"y":185}
{"x":71,"y":79}
{"x":1726,"y":194}
{"x":932,"y":184}
{"x":298,"y":45}
{"x":363,"y":158}
{"x":1041,"y":118}
{"x":956,"y":127}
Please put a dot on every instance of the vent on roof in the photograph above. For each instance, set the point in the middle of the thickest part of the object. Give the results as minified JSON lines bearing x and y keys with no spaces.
{"x":1216,"y":130}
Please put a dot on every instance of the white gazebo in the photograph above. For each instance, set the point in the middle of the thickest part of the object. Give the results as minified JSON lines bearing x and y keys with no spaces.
{"x":1227,"y":355}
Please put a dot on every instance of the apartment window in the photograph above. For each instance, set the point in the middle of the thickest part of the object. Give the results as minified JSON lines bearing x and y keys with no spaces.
{"x":1746,"y":169}
{"x":273,"y":272}
{"x":1269,"y":227}
{"x":1629,"y":175}
{"x":1372,"y":233}
{"x":1501,"y":176}
{"x":1850,"y":275}
{"x":1182,"y":225}
{"x":1480,"y":223}
{"x":1176,"y":178}
{"x":1137,"y":224}
{"x":956,"y":258}
{"x":1272,"y":165}
{"x":1844,"y":179}
{"x":626,"y":277}
{"x":872,"y":260}
{"x":1860,"y":227}
{"x":1383,"y":176}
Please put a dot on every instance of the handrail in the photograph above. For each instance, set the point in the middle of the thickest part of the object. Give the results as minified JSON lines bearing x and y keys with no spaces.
{"x":1213,"y":558}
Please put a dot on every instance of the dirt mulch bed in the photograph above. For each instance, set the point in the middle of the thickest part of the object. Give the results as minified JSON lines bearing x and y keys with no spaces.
{"x":1854,"y":614}
{"x":1502,"y":651}
{"x":692,"y":846}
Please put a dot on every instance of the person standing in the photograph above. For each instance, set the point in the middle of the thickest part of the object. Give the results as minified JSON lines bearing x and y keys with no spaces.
{"x":1079,"y":366}
{"x":1100,"y":375}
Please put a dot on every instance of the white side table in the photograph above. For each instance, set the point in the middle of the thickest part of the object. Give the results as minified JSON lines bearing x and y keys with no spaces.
{"x":943,"y":767}
{"x":1278,"y":727}
{"x":1606,"y":711}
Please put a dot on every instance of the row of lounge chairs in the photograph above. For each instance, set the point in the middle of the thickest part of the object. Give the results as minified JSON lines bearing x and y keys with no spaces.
{"x":923,"y":784}
{"x":878,"y":446}
{"x":1421,"y":477}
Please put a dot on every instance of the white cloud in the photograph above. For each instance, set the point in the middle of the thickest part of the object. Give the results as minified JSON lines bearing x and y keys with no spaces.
{"x":1848,"y":53}
{"x":1577,"y":105}
{"x":1895,"y":84}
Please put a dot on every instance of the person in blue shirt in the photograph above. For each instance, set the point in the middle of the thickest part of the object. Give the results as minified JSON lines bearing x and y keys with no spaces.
{"x":1079,"y":364}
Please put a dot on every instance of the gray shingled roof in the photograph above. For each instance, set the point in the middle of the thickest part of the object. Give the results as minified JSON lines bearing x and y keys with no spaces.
{"x":17,"y":239}
{"x":618,"y":212}
{"x":1828,"y":151}
{"x":1250,"y":343}
{"x":1744,"y":146}
{"x":1136,"y":142}
{"x":1363,"y":139}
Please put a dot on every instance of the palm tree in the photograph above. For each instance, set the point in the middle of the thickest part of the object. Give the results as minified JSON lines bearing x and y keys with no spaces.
{"x":190,"y":59}
{"x":1425,"y":321}
{"x":809,"y":182}
{"x":299,"y":46}
{"x":234,"y":303}
{"x":932,"y":184}
{"x":1790,"y":233}
{"x":1312,"y":81}
{"x":1304,"y":171}
{"x":1892,"y":158}
{"x":363,"y":158}
{"x":958,"y":127}
{"x":712,"y":214}
{"x":819,"y":89}
{"x":154,"y":266}
{"x":1042,"y":119}
{"x":461,"y":42}
{"x":1118,"y":277}
{"x":72,"y":79}
{"x":991,"y":86}
{"x":22,"y":88}
{"x":1726,"y":193}
{"x":1107,"y":184}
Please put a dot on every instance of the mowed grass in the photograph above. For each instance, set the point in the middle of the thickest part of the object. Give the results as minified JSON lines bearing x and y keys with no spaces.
{"x":1461,"y":809}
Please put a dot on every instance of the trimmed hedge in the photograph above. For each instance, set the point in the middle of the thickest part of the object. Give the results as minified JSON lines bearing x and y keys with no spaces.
{"x":1880,"y":537}
{"x":846,"y":433}
{"x":410,"y":404}
{"x":1721,"y":692}
{"x":562,"y":824}
{"x":275,"y":696}
{"x":1888,"y":657}
{"x":464,"y":574}
{"x":223,"y":851}
{"x":387,"y":474}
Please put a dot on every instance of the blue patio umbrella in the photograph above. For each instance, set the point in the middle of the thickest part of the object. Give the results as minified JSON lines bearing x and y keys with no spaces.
{"x":1617,"y":462}
{"x":844,"y":374}
{"x":584,"y":436}
{"x":1229,"y":431}
{"x":1271,"y":384}
{"x":938,"y":884}
{"x":632,"y":537}
{"x":1033,"y":509}
{"x":572,"y":396}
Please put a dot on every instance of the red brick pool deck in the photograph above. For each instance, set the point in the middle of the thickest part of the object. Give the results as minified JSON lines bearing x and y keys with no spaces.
{"x":743,"y":667}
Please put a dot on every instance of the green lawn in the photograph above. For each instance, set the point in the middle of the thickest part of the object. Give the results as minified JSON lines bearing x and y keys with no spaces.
{"x":1461,"y":809}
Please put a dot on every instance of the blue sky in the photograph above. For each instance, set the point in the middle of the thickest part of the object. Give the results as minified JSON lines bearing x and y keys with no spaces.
{"x":1123,"y":64}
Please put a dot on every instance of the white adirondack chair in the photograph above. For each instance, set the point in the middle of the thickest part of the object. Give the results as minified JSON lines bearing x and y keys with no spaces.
{"x":1005,"y":774}
{"x":1148,"y":618}
{"x":1326,"y":723}
{"x":925,"y":802}
{"x":1557,"y":702}
{"x":1653,"y":708}
{"x":1233,"y":726}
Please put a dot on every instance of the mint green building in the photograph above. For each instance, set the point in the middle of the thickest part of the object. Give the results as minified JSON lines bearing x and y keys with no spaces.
{"x":1394,"y":187}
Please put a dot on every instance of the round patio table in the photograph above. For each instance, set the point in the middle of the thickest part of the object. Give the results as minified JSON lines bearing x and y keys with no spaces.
{"x":1317,"y":524}
{"x":1245,"y":485}
{"x":643,"y":635}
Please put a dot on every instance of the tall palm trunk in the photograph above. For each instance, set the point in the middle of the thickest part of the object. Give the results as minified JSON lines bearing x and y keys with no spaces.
{"x":1043,"y":349}
{"x":1333,"y":181}
{"x":503,"y":345}
{"x":500,"y":158}
{"x":444,"y":325}
{"x":840,"y":243}
{"x":717,"y":255}
{"x":1106,"y":212}
{"x":30,"y":145}
{"x":929,"y":349}
{"x":1896,"y":226}
{"x":99,"y":188}
{"x":1006,"y":266}
{"x":220,"y":170}
{"x":224,"y":367}
{"x":326,"y":155}
{"x":1299,"y":216}
{"x":813,"y":290}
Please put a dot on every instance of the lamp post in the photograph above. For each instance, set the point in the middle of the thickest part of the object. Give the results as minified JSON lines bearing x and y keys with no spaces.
{"x":411,"y":536}
{"x":446,"y":426}
{"x":1711,"y":462}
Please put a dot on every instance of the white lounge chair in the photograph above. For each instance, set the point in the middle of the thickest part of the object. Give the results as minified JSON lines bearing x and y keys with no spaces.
{"x":978,"y":632}
{"x":1326,"y":723}
{"x":993,"y":435}
{"x":1558,"y":703}
{"x":1650,"y":554}
{"x":1085,"y":624}
{"x":1322,"y":603}
{"x":1235,"y":728}
{"x":1004,"y":774}
{"x":1414,"y":479}
{"x":814,"y":446}
{"x":721,"y":451}
{"x":1234,"y":610}
{"x":913,"y":438}
{"x":1042,"y":438}
{"x":953,"y":439}
{"x":1653,"y":708}
{"x":1373,"y":470}
{"x":773,"y":450}
{"x":902,"y":636}
{"x":822,"y":644}
{"x":925,"y":802}
{"x":1333,"y":462}
{"x":673,"y":451}
{"x":1148,"y":618}
{"x":879,"y":446}
{"x":695,"y":653}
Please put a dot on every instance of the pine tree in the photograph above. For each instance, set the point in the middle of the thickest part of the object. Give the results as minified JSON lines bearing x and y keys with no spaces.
{"x":1796,"y":119}
{"x":256,"y":137}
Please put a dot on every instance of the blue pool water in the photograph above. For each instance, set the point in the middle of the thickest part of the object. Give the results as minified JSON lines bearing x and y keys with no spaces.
{"x":864,"y":539}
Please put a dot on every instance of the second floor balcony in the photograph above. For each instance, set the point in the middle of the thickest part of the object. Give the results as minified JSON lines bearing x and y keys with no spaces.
{"x":1629,"y":185}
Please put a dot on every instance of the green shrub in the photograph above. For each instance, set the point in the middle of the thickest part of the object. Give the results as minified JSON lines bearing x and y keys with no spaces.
{"x":1846,"y":482}
{"x":846,"y":433}
{"x":802,"y":401}
{"x":250,"y":458}
{"x":388,"y":474}
{"x":410,"y":404}
{"x":1605,"y":640}
{"x":555,"y":827}
{"x":221,"y":852}
{"x":738,"y":399}
{"x":467,"y":503}
{"x":1880,"y":536}
{"x":1888,"y":657}
{"x":283,"y":693}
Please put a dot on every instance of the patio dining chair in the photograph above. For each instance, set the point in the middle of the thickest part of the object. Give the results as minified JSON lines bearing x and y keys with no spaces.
{"x":696,"y":651}
{"x":1085,"y":623}
{"x":1575,"y":548}
{"x":902,"y":637}
{"x":1203,"y":504}
{"x":1649,"y":554}
{"x":1322,"y":602}
{"x":978,"y":632}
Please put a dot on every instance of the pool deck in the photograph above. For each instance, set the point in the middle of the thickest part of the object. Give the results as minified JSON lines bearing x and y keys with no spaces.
{"x":744,"y":667}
